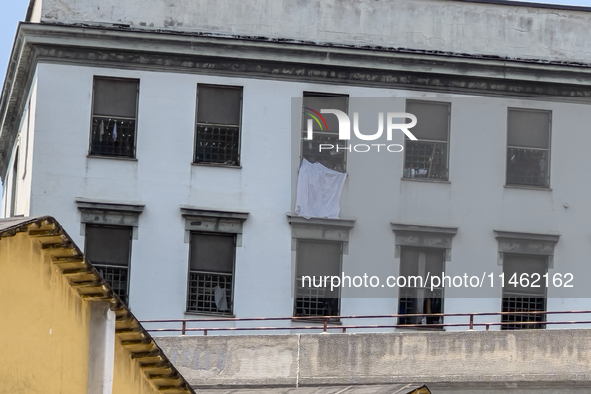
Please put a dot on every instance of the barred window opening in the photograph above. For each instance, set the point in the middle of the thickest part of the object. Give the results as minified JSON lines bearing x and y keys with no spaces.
{"x":211,"y":273}
{"x":117,"y":278}
{"x":336,"y":158}
{"x":108,"y":248}
{"x":202,"y":292}
{"x":217,"y":135}
{"x":427,"y":158}
{"x":113,"y":137}
{"x":417,"y":298}
{"x":528,"y":148}
{"x":114,"y":116}
{"x":316,"y":259}
{"x":523,"y":299}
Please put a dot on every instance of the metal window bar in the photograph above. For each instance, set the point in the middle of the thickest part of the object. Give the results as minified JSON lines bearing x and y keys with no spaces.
{"x":217,"y":144}
{"x":519,"y":303}
{"x":311,"y":301}
{"x":409,"y":305}
{"x":527,"y":166}
{"x":426,"y":160}
{"x":108,"y":140}
{"x":117,"y":277}
{"x":201,"y":297}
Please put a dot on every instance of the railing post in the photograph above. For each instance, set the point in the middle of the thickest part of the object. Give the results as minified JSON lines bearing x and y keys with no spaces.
{"x":205,"y":332}
{"x":344,"y":330}
{"x":183,"y":327}
{"x":325,"y":324}
{"x":487,"y":327}
{"x":471,"y":322}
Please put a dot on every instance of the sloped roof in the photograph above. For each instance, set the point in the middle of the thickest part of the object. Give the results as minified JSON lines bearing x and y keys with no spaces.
{"x":88,"y":283}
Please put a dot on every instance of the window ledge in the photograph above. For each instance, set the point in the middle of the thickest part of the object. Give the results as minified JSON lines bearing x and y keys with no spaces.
{"x":345,"y":222}
{"x":216,"y":165}
{"x":425,"y":180}
{"x":426,"y":328}
{"x":315,"y":320}
{"x":213,"y":315}
{"x":124,"y":206}
{"x":515,"y":235}
{"x":421,"y":228}
{"x":112,"y":157}
{"x":544,"y":189}
{"x":200,"y":212}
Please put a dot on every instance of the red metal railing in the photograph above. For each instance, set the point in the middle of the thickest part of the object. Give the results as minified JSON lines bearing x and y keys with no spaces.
{"x":328,"y":322}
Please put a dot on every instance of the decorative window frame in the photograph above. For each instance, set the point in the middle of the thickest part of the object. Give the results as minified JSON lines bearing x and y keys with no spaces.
{"x":109,"y":213}
{"x":526,"y":243}
{"x":320,"y":229}
{"x":421,"y":236}
{"x":210,"y":220}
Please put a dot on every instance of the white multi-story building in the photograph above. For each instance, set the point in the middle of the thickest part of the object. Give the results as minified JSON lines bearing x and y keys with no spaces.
{"x":167,"y":138}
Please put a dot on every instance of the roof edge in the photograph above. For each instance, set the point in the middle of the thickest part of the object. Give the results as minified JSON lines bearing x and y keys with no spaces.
{"x":530,"y":4}
{"x":78,"y":269}
{"x":30,"y":8}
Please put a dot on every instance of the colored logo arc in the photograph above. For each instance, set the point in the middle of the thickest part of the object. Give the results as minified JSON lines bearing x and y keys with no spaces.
{"x":315,"y":115}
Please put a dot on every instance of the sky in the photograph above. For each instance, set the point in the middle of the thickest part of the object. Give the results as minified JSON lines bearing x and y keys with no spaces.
{"x":13,"y":11}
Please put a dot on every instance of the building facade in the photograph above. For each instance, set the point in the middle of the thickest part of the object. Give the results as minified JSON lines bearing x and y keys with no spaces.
{"x":124,"y":120}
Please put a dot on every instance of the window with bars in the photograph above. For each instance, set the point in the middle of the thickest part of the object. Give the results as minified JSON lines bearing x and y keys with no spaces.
{"x":427,"y":158}
{"x":528,"y":147}
{"x":523,"y":299}
{"x":114,"y":115}
{"x":211,"y":273}
{"x":217,"y":136}
{"x":324,"y":133}
{"x":109,"y":250}
{"x":417,"y":297}
{"x":315,"y":260}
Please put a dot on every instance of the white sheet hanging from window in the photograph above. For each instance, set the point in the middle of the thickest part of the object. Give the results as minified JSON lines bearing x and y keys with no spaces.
{"x":318,"y":191}
{"x":220,"y":298}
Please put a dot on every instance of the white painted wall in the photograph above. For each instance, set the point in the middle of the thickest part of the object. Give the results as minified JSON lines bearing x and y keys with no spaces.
{"x":447,"y":26}
{"x":24,"y":142}
{"x":163,"y":178}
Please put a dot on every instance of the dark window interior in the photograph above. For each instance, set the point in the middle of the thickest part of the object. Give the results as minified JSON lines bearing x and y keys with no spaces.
{"x":114,"y":116}
{"x":523,"y":299}
{"x":211,"y":273}
{"x":427,"y":158}
{"x":317,"y":259}
{"x":310,"y":148}
{"x":528,"y":148}
{"x":109,"y":250}
{"x":217,"y":139}
{"x":418,"y":298}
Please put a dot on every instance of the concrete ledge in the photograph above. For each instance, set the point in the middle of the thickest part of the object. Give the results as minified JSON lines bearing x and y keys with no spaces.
{"x":243,"y":360}
{"x":474,"y":357}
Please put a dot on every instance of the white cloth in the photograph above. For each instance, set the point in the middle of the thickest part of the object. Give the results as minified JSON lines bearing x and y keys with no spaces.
{"x":318,"y":191}
{"x":102,"y":131}
{"x":220,"y":298}
{"x":115,"y":132}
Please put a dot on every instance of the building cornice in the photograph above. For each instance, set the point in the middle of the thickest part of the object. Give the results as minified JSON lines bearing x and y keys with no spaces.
{"x":259,"y":57}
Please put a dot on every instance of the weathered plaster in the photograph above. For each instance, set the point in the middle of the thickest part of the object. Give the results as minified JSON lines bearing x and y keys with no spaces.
{"x":452,"y":26}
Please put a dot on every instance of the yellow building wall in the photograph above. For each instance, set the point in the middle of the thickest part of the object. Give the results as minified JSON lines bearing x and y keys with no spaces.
{"x":44,"y":323}
{"x":128,"y":378}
